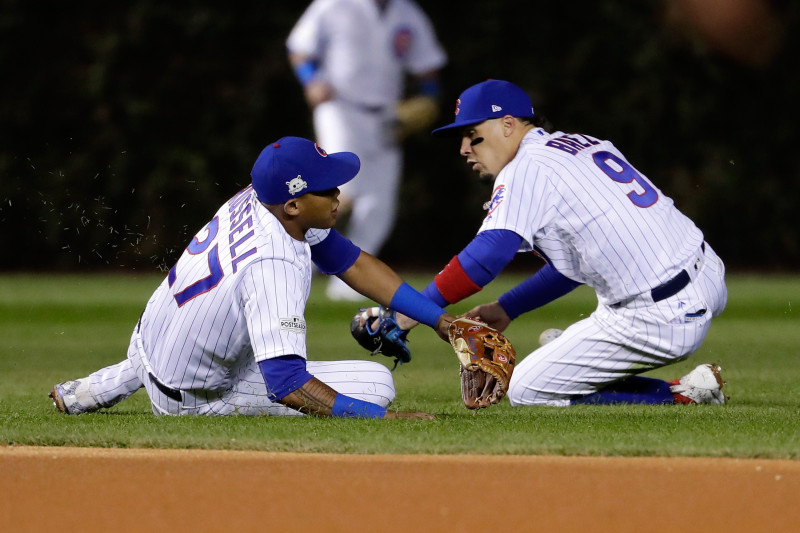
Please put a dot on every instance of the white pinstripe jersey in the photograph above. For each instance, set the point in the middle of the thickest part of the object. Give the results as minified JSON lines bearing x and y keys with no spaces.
{"x":579,"y":203}
{"x":364,"y":53}
{"x":238,"y":290}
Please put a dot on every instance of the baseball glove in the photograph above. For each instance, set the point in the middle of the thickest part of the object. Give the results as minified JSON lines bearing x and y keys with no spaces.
{"x":487,"y":360}
{"x":376,"y":329}
{"x":414,"y":115}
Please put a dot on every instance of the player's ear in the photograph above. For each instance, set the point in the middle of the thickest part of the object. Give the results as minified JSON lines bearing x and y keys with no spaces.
{"x":509,"y":125}
{"x":291,"y":207}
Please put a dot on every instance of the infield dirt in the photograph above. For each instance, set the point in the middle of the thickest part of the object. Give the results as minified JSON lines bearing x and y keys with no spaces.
{"x":127,"y":490}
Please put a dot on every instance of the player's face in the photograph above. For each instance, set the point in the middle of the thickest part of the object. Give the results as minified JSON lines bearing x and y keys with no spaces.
{"x":487,"y":147}
{"x":319,"y":209}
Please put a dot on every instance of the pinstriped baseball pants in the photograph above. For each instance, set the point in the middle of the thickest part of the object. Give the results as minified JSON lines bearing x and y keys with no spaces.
{"x":614,"y":343}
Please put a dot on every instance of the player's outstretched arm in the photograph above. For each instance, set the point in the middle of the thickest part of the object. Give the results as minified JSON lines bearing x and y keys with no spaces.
{"x":318,"y":399}
{"x":373,"y":278}
{"x":376,"y":280}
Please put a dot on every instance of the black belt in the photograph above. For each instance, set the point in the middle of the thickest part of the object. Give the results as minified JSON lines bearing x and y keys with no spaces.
{"x":169,"y":392}
{"x":673,"y":286}
{"x":372,"y":109}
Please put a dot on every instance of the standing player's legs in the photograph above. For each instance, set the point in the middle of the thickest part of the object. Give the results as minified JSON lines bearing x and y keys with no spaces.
{"x":372,"y":195}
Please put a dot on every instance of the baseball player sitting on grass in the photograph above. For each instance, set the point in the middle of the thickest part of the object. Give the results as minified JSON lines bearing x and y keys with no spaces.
{"x":578,"y":203}
{"x":225,"y":332}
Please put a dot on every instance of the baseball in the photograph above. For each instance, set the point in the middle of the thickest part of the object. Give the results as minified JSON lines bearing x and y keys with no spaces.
{"x":549,"y":335}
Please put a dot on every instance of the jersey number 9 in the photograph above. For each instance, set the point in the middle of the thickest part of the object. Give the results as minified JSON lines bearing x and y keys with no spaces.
{"x":622,"y":172}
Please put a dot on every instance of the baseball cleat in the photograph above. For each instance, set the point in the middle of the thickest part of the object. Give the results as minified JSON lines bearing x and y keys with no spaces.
{"x":702,"y":385}
{"x":549,"y":335}
{"x":73,"y":398}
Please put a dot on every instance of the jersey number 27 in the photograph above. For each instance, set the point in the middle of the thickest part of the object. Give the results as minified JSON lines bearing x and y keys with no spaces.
{"x":215,"y":268}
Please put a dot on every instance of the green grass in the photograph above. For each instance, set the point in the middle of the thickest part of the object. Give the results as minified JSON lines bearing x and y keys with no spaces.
{"x":54,"y":328}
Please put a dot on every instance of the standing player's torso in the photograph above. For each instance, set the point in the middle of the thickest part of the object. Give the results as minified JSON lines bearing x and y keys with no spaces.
{"x":365,"y":50}
{"x":195,"y":328}
{"x":595,"y":217}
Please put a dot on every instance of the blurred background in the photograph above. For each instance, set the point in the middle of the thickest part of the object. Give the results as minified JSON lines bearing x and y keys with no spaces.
{"x":124,"y":126}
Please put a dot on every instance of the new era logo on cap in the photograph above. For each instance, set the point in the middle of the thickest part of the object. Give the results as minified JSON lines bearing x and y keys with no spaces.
{"x":487,"y":100}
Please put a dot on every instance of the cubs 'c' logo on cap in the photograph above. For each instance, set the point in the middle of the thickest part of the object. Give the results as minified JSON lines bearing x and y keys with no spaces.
{"x":296,"y":185}
{"x":321,"y":152}
{"x":458,"y":104}
{"x":401,"y":42}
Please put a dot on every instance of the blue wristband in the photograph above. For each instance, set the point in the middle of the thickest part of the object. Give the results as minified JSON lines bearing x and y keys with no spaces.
{"x":429,"y":87}
{"x":408,"y":301}
{"x":305,"y":72}
{"x":349,"y":407}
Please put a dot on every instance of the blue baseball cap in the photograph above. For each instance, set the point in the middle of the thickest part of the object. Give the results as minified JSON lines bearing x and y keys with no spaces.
{"x":292,"y":166}
{"x":486,"y":100}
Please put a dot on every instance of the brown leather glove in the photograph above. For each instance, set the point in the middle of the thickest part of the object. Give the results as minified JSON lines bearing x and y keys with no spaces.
{"x":487,"y":360}
{"x":414,"y":115}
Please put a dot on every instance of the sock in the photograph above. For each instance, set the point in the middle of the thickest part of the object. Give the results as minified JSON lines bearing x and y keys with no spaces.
{"x":633,"y":390}
{"x":680,"y":398}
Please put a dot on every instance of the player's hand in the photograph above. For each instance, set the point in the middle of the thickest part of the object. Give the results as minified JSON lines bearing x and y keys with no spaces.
{"x":409,"y":414}
{"x":492,"y":314}
{"x":317,"y":92}
{"x":443,"y":327}
{"x":405,"y":322}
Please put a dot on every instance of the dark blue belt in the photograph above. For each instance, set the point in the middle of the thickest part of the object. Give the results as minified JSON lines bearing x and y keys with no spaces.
{"x":673,"y":286}
{"x":169,"y":392}
{"x":372,"y":109}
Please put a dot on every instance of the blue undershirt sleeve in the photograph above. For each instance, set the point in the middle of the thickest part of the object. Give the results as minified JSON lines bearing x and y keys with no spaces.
{"x":429,"y":87}
{"x":432,"y":293}
{"x":488,"y":254}
{"x":283,"y":375}
{"x":541,"y":288}
{"x":335,"y":254}
{"x":482,"y":259}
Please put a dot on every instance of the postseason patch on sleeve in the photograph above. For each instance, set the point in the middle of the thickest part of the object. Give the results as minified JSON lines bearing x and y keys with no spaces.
{"x":294,"y":324}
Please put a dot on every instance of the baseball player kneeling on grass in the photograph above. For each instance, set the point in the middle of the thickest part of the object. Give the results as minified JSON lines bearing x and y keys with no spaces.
{"x":225,"y":332}
{"x":595,"y":219}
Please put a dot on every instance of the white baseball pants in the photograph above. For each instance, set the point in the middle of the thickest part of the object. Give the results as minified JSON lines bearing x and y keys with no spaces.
{"x":617,"y":342}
